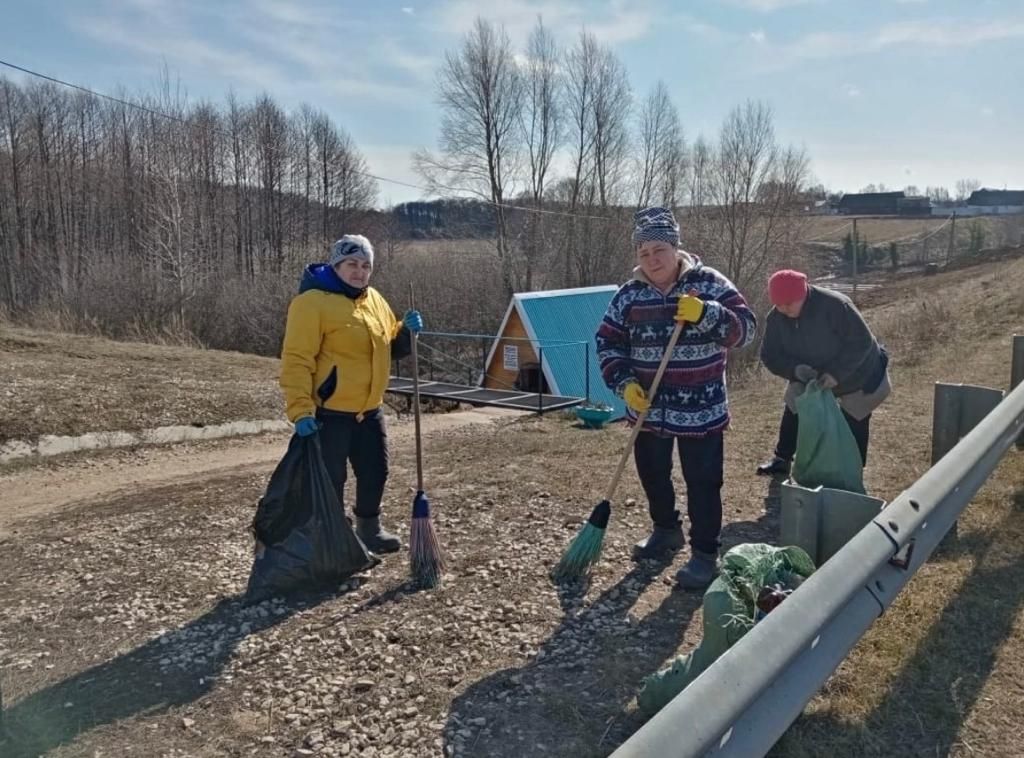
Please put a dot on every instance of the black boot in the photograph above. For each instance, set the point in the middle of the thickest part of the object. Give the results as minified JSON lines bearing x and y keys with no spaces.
{"x":662,"y":542}
{"x":699,"y":571}
{"x":376,"y":539}
{"x":775,"y":467}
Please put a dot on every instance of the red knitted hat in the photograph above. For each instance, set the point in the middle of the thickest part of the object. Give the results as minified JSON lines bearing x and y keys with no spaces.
{"x":787,"y":286}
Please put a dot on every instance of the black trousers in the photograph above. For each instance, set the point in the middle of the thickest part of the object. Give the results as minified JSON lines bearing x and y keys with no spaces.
{"x":364,"y":443}
{"x":702,"y":459}
{"x":790,"y":425}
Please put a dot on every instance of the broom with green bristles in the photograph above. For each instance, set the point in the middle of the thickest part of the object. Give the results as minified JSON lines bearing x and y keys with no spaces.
{"x":585,"y":548}
{"x":425,"y":561}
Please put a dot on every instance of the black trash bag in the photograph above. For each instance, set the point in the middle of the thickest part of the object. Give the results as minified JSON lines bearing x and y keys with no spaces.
{"x":308,"y":544}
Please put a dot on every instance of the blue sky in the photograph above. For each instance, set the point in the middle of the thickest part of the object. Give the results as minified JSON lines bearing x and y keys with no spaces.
{"x":902,"y":92}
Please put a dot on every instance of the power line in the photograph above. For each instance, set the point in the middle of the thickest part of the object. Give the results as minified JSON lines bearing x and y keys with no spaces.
{"x":377,"y":177}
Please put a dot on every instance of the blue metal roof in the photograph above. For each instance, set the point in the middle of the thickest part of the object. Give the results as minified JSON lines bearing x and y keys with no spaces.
{"x":563,"y":323}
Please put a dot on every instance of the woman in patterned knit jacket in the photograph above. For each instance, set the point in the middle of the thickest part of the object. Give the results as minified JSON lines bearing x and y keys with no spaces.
{"x":690,"y":410}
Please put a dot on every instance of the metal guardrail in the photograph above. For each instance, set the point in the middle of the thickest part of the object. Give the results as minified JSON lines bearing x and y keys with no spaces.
{"x":744,"y":702}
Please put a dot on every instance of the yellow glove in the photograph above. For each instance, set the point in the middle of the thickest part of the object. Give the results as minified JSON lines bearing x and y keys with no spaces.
{"x":636,"y":398}
{"x":690,"y":309}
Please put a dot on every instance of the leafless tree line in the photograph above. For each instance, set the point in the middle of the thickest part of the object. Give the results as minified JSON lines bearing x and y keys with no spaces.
{"x":561,"y":132}
{"x":196,"y":221}
{"x":147,"y":218}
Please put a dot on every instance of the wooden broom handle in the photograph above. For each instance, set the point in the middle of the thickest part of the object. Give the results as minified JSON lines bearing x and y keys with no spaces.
{"x":413,"y":337}
{"x":643,"y":416}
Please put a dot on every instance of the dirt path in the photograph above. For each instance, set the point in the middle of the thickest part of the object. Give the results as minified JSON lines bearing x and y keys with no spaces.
{"x":81,"y":479}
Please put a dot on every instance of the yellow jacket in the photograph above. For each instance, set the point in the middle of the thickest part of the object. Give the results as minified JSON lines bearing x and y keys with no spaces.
{"x":337,"y":351}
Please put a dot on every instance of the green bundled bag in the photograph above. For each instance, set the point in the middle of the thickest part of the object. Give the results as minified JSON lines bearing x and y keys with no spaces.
{"x":730,"y":610}
{"x":826,"y":450}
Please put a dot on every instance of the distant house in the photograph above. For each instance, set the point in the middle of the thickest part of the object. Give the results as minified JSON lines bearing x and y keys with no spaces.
{"x":546,"y":341}
{"x":914,"y":205}
{"x":871,"y":203}
{"x":990,"y":201}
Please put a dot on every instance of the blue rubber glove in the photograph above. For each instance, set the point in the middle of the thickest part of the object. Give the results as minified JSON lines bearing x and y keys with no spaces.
{"x":413,"y":321}
{"x":306,"y":426}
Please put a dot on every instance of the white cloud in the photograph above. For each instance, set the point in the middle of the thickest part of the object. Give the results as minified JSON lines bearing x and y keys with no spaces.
{"x":988,"y":111}
{"x":946,"y":33}
{"x":302,"y":49}
{"x":614,"y":21}
{"x":163,"y":44}
{"x":769,"y":6}
{"x":758,"y":36}
{"x":851,"y":90}
{"x":921,"y":34}
{"x":409,"y":11}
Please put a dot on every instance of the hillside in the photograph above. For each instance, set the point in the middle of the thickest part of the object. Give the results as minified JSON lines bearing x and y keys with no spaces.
{"x":121,"y":629}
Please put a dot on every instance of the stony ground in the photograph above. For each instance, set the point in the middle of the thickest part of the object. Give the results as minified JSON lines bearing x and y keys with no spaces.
{"x":122,"y":631}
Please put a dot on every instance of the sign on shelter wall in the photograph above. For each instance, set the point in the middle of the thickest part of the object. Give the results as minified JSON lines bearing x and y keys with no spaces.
{"x":510,"y":358}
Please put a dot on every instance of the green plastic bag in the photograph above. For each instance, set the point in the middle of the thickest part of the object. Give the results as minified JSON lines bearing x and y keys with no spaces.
{"x":826,"y":450}
{"x":729,"y":613}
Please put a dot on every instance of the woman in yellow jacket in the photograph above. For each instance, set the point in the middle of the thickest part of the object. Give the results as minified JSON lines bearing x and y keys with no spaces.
{"x":339,"y":341}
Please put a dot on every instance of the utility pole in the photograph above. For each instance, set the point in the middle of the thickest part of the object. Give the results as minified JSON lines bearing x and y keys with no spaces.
{"x":856,"y":253}
{"x":952,"y":239}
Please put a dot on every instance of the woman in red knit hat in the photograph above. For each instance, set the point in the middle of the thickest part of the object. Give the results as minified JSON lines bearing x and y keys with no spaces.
{"x":817,"y":333}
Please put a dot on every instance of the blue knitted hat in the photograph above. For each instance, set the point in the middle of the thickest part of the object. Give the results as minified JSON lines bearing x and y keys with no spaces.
{"x":655,"y":223}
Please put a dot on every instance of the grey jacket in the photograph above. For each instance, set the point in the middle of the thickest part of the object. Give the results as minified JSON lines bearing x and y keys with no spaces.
{"x":831,"y":337}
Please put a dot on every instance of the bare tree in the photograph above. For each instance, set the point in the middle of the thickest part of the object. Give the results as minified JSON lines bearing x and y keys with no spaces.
{"x":610,"y":125}
{"x":964,"y":188}
{"x":755,"y":187}
{"x":480,"y":95}
{"x":354,"y":188}
{"x":938,"y":194}
{"x":661,"y":161}
{"x":541,"y":121}
{"x":155,"y":196}
{"x":700,"y":192}
{"x":581,"y":64}
{"x":270,"y":133}
{"x":12,"y":211}
{"x":599,"y":103}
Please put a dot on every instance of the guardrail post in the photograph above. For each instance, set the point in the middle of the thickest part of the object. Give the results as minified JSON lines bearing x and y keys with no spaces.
{"x":799,"y":509}
{"x":945,"y":420}
{"x":958,"y":408}
{"x":823,"y":520}
{"x":1017,"y":373}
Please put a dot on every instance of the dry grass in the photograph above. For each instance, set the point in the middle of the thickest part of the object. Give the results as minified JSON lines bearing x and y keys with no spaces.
{"x":438,"y":249}
{"x":941,"y":672}
{"x":879,"y":230}
{"x":56,"y":383}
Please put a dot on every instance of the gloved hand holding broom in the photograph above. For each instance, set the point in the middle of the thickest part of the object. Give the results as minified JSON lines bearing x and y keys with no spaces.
{"x":425,"y":561}
{"x":585,"y":549}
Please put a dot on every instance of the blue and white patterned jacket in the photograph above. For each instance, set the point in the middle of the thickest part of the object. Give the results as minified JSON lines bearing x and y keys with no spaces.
{"x":692,"y":399}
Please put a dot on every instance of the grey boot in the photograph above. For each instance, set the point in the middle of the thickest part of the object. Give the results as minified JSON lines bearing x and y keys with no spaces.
{"x":376,"y":539}
{"x":662,"y":542}
{"x":699,"y":571}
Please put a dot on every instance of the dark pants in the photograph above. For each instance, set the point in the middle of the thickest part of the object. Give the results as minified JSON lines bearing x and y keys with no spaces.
{"x":702,"y":459}
{"x":790,"y":425}
{"x":365,"y":444}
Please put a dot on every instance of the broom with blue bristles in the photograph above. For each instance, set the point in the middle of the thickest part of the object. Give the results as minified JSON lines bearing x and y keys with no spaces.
{"x":425,"y":561}
{"x":585,"y":549}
